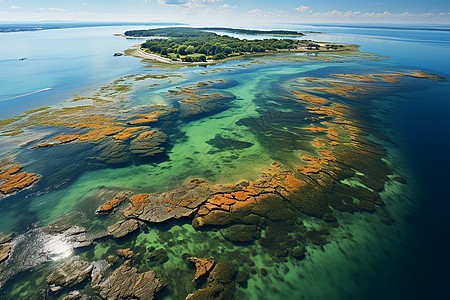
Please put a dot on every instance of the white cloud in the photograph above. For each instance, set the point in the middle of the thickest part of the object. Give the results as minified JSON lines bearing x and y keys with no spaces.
{"x":256,"y":12}
{"x":228,"y":6}
{"x":186,"y":2}
{"x":302,"y":9}
{"x":14,"y":7}
{"x":52,"y":9}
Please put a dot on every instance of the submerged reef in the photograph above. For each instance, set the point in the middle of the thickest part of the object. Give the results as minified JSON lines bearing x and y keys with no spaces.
{"x":12,"y":180}
{"x":325,"y":163}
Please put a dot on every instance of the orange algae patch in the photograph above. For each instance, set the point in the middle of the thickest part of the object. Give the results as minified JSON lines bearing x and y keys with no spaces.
{"x":310,"y":98}
{"x":12,"y":170}
{"x":424,"y":75}
{"x":110,"y":205}
{"x":127,"y":133}
{"x":240,"y":195}
{"x":388,"y":78}
{"x":311,"y":79}
{"x":146,"y":135}
{"x":95,"y":135}
{"x":18,"y":182}
{"x":357,"y":77}
{"x":65,"y":138}
{"x":146,"y":118}
{"x":202,"y":265}
{"x":139,"y":201}
{"x":292,"y":183}
{"x":316,"y":129}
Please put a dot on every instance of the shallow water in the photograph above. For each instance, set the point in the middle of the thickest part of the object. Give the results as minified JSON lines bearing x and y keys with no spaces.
{"x":368,"y":255}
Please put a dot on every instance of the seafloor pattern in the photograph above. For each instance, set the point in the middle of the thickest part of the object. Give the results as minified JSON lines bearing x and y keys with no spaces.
{"x":304,"y":155}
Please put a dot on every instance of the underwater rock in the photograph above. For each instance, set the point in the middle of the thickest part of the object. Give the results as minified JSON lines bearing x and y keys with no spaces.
{"x":318,"y":236}
{"x":220,"y":284}
{"x":110,"y":206}
{"x":148,"y":143}
{"x":357,"y":77}
{"x":126,"y":283}
{"x":329,"y":218}
{"x":194,"y":105}
{"x":70,"y":273}
{"x":242,"y":277}
{"x":203,"y":265}
{"x":400,"y":179}
{"x":297,"y":253}
{"x":310,"y":98}
{"x":122,"y":228}
{"x":112,"y":152}
{"x":74,"y":295}
{"x":224,"y":144}
{"x":5,"y":249}
{"x":125,"y":253}
{"x":158,"y":257}
{"x":241,"y":233}
{"x":367,"y":206}
{"x":425,"y":75}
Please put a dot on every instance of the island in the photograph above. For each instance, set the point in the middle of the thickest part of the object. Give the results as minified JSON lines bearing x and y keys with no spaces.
{"x":194,"y":45}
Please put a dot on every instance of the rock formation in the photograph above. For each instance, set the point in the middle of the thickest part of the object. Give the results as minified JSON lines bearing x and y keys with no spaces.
{"x":220,"y":284}
{"x":12,"y":181}
{"x":123,"y":228}
{"x":70,"y":273}
{"x":126,"y":283}
{"x":203,"y":265}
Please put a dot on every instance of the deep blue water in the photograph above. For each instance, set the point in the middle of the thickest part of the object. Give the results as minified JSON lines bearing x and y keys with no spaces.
{"x":73,"y":61}
{"x":423,"y":123}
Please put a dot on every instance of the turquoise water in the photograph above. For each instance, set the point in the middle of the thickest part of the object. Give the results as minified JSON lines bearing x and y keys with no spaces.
{"x":411,"y":123}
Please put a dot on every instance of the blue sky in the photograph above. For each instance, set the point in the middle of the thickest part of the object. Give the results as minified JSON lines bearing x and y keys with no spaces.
{"x":230,"y":12}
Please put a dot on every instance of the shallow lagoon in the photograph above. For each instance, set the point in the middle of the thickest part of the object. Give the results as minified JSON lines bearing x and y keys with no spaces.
{"x":348,"y":267}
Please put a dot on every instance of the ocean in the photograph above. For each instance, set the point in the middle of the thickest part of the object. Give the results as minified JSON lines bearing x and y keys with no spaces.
{"x":253,"y":114}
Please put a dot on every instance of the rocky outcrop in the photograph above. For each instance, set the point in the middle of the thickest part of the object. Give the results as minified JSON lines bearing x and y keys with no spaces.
{"x":75,"y":236}
{"x":125,"y":253}
{"x":148,"y":143}
{"x":13,"y":181}
{"x":70,"y":273}
{"x":126,"y":283}
{"x":5,"y":249}
{"x":241,"y":233}
{"x":123,"y":228}
{"x":73,"y":296}
{"x":220,"y":284}
{"x":203,"y":265}
{"x":111,"y":205}
{"x":159,"y":207}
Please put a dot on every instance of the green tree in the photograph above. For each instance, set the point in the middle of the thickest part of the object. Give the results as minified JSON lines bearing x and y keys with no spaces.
{"x":190,"y":50}
{"x":182,"y":50}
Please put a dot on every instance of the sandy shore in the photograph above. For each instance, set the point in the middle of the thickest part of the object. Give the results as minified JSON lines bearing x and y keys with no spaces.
{"x":137,"y":52}
{"x":142,"y":54}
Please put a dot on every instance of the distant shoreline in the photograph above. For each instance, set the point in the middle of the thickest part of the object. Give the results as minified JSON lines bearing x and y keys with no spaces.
{"x":137,"y":52}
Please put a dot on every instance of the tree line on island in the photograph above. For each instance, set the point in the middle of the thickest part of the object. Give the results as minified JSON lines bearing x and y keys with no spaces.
{"x":196,"y":45}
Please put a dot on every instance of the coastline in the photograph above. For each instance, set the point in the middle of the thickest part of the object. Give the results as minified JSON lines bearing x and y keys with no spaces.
{"x":136,"y":51}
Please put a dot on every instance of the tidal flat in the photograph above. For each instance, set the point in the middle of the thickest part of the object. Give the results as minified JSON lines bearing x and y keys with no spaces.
{"x":269,"y":177}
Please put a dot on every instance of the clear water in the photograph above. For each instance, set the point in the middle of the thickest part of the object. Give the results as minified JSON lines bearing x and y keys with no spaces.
{"x":379,"y":260}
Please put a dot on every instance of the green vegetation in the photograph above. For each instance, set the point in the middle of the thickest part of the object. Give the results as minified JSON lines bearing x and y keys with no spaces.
{"x":194,"y":45}
{"x":254,"y":32}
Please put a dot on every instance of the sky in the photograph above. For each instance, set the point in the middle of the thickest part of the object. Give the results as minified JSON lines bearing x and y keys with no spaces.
{"x":229,"y":12}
